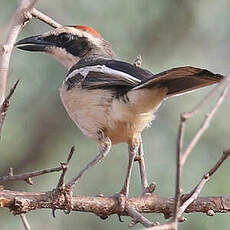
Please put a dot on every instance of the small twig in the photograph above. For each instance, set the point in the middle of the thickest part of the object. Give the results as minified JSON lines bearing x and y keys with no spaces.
{"x":206,"y":122}
{"x":198,"y":107}
{"x":24,"y":221}
{"x":48,"y":20}
{"x":225,"y":155}
{"x":137,"y":217}
{"x":26,"y":176}
{"x":181,"y":157}
{"x":196,"y":191}
{"x":178,"y":190}
{"x":18,"y":20}
{"x":5,"y":105}
{"x":65,"y":167}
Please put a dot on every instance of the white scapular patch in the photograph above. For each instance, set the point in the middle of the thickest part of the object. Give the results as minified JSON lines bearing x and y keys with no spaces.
{"x":106,"y":70}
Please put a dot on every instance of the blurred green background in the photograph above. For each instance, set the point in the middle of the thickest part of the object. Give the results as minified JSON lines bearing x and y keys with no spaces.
{"x":38,"y":133}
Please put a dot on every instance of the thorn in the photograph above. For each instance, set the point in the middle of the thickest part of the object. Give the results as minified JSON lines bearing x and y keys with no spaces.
{"x":100,"y":195}
{"x":119,"y":218}
{"x":156,"y":223}
{"x":210,"y":212}
{"x":167,"y":215}
{"x":137,"y":158}
{"x":67,"y":212}
{"x":182,"y":219}
{"x":53,"y":213}
{"x":151,"y":188}
{"x":10,"y":172}
{"x":206,"y":176}
{"x":103,"y":217}
{"x":29,"y":181}
{"x":132,"y":223}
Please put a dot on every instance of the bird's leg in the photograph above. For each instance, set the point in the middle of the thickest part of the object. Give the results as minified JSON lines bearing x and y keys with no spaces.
{"x":104,"y":147}
{"x":133,"y":148}
{"x":141,"y":161}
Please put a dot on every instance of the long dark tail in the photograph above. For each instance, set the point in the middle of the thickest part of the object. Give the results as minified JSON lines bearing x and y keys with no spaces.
{"x":182,"y":79}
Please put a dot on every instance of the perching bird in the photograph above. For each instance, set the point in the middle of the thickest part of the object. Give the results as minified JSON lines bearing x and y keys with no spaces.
{"x":111,"y":100}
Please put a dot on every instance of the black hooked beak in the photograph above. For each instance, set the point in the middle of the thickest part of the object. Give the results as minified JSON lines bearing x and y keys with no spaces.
{"x":34,"y":43}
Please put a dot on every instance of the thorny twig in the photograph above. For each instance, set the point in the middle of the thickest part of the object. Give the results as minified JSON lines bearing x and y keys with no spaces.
{"x":18,"y":20}
{"x":26,"y":176}
{"x":196,"y":191}
{"x":21,"y":16}
{"x":44,"y":18}
{"x":65,"y":167}
{"x":181,"y":157}
{"x":225,"y":84}
{"x":5,"y":105}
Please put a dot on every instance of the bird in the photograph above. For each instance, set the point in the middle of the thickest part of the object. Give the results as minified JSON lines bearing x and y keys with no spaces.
{"x":110,"y":100}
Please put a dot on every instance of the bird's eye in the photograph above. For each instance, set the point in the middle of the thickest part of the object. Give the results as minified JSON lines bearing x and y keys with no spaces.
{"x":65,"y":37}
{"x":84,"y":43}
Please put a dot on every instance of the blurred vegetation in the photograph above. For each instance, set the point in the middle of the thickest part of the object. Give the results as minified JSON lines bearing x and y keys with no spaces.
{"x":38,"y":133}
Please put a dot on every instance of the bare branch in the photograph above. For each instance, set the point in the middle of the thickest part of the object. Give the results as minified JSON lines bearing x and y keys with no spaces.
{"x":181,"y":157}
{"x":196,"y":191}
{"x":26,"y":176}
{"x":5,"y":105}
{"x":206,"y":122}
{"x":65,"y":167}
{"x":18,"y":20}
{"x":199,"y":106}
{"x":178,"y":190}
{"x":22,"y":202}
{"x":41,"y":16}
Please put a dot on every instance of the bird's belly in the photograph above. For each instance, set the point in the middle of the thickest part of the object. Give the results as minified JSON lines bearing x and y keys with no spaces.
{"x":89,"y":109}
{"x":119,"y":120}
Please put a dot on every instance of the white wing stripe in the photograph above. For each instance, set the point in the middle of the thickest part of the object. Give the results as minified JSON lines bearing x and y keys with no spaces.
{"x":106,"y":70}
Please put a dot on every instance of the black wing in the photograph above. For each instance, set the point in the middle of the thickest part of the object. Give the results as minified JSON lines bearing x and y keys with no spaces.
{"x":107,"y":74}
{"x":121,"y":77}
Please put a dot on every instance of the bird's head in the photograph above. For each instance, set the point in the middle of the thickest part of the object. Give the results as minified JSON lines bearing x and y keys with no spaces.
{"x":69,"y":44}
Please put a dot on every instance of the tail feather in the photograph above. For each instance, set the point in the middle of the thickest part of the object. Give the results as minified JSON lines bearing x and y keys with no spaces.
{"x":182,"y":79}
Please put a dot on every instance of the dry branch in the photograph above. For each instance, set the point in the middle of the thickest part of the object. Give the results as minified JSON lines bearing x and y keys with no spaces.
{"x":18,"y":20}
{"x":182,"y":156}
{"x":5,"y":105}
{"x":44,"y":18}
{"x":225,"y":84}
{"x":196,"y":191}
{"x":26,"y":176}
{"x":22,"y":202}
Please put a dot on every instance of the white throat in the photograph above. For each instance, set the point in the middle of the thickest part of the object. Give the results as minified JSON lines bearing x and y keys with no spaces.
{"x":65,"y":58}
